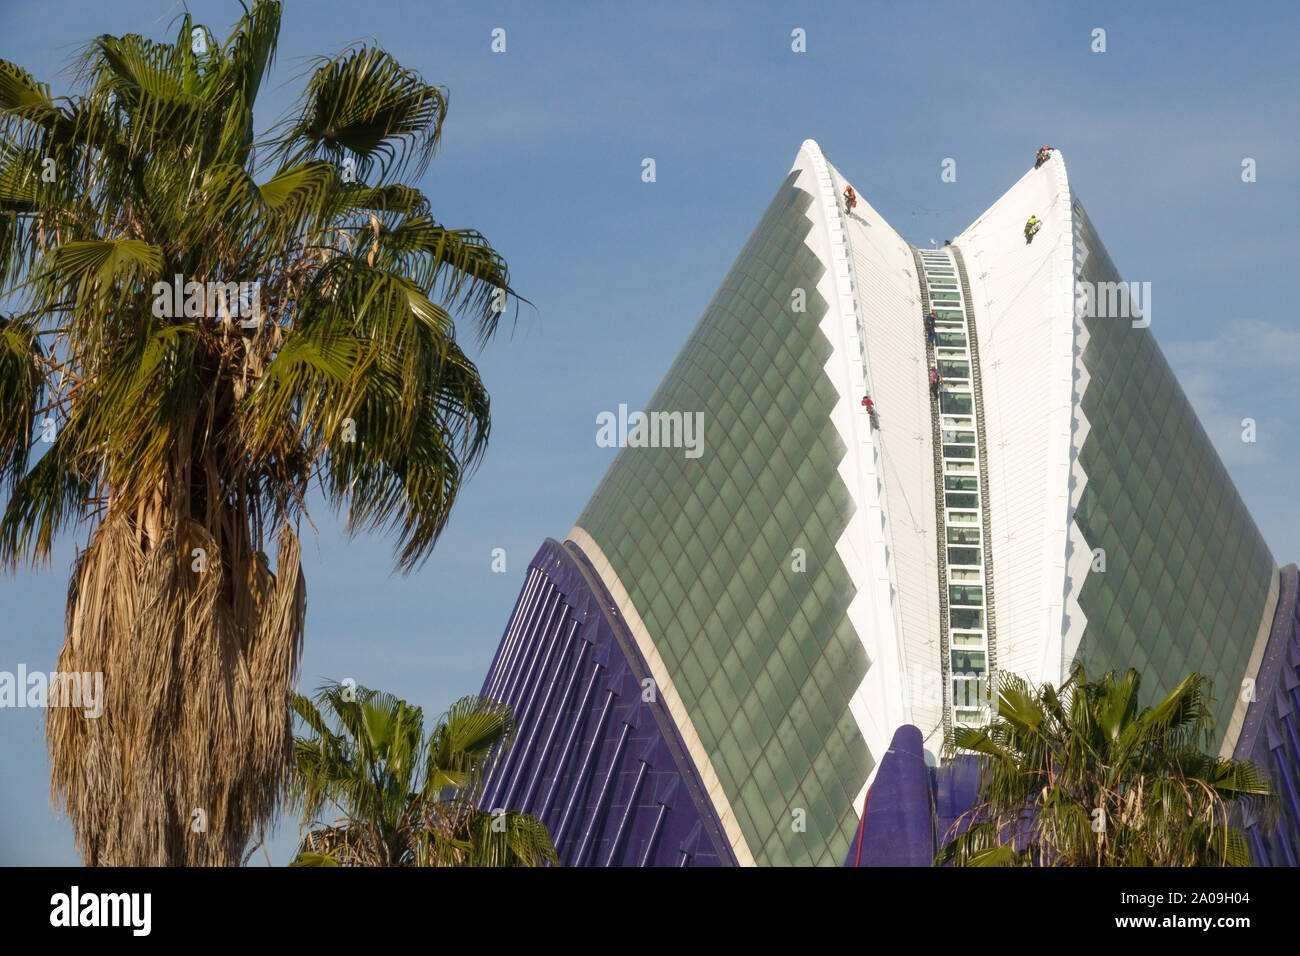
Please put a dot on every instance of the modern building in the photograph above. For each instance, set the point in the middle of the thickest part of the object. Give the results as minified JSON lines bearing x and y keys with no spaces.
{"x":736,"y":638}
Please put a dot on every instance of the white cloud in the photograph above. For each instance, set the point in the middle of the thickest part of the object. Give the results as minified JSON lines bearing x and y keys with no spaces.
{"x":1247,"y":369}
{"x":1252,"y":344}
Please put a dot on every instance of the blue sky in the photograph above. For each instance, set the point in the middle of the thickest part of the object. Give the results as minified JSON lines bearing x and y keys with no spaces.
{"x":542,"y":151}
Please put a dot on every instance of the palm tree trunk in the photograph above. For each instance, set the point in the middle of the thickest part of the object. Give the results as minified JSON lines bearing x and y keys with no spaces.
{"x":189,"y":757}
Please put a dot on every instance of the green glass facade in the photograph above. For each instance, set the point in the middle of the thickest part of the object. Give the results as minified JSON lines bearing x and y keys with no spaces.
{"x":1187,"y":571}
{"x":763,"y":655}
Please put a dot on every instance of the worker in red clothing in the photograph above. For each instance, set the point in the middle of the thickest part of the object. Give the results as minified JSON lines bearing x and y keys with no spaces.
{"x":850,"y":198}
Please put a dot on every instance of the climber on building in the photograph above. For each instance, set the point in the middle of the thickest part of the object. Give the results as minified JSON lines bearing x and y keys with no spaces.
{"x":850,"y":198}
{"x":870,"y":406}
{"x":1043,"y":153}
{"x":929,"y":328}
{"x":1031,"y":228}
{"x":936,"y":381}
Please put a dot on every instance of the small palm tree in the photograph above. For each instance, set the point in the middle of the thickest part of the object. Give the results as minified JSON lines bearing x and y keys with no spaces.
{"x":406,"y":799}
{"x":207,"y":320}
{"x":1084,"y":776}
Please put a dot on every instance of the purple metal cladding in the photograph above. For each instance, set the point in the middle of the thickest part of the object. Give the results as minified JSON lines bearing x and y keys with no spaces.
{"x":596,"y":755}
{"x":898,"y":829}
{"x":1270,"y":735}
{"x":956,"y":785}
{"x":911,"y":807}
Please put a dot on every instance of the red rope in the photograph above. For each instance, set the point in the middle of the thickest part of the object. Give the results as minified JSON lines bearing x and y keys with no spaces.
{"x":857,"y":860}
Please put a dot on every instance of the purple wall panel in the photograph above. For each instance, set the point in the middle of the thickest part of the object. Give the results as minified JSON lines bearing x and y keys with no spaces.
{"x":911,"y":806}
{"x":1269,"y":735}
{"x":898,"y":829}
{"x":606,"y":770}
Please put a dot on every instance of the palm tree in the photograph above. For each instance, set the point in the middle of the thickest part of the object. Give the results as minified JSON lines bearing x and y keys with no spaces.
{"x":406,"y":800}
{"x":1084,"y":776}
{"x":183,"y":427}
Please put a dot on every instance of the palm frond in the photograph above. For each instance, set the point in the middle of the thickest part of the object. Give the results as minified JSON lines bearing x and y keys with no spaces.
{"x":363,"y":104}
{"x":405,"y":799}
{"x":21,"y":386}
{"x":1054,"y":762}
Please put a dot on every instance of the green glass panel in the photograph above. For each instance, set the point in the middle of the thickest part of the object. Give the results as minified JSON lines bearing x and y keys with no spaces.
{"x":1182,"y":552}
{"x":767,"y":657}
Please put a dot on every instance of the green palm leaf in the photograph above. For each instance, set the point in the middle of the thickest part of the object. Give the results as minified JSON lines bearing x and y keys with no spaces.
{"x":364,"y":104}
{"x":405,"y":799}
{"x":1086,"y":776}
